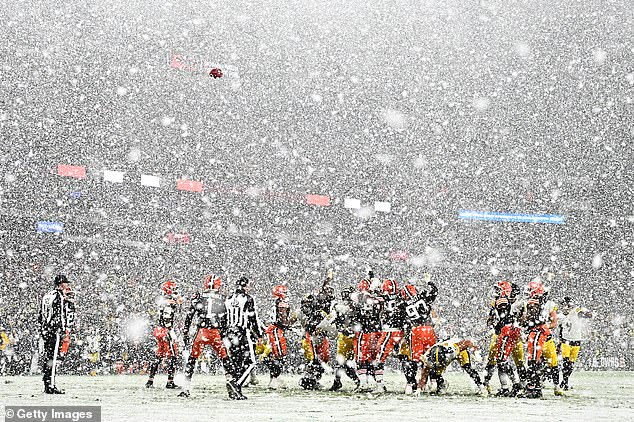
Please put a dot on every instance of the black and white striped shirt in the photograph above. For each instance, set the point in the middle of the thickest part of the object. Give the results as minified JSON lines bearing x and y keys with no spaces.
{"x":52,"y":316}
{"x":241,"y":313}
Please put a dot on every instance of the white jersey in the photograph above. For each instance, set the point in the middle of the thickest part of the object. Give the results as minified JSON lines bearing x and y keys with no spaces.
{"x":576,"y":325}
{"x":549,"y":307}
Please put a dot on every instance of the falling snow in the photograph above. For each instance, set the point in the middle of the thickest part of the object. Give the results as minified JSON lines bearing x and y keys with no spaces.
{"x":336,"y":135}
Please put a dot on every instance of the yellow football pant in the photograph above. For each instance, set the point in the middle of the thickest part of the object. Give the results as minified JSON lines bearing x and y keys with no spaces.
{"x":569,"y":352}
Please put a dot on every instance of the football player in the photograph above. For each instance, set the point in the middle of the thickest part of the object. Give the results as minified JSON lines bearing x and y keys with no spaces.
{"x":573,"y":329}
{"x":167,"y":342}
{"x":368,"y":307}
{"x":393,"y":322}
{"x":438,"y":358}
{"x":418,"y":306}
{"x":343,"y":319}
{"x":209,"y":308}
{"x":275,"y":333}
{"x":539,"y":318}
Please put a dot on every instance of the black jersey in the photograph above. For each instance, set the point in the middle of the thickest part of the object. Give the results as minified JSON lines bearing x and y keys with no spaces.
{"x":418,"y":308}
{"x":167,"y":310}
{"x":241,"y":313}
{"x":323,"y":300}
{"x":282,"y":314}
{"x":501,"y":314}
{"x":53,"y":316}
{"x":209,"y":308}
{"x":393,"y":313}
{"x":311,"y":314}
{"x":537,"y":311}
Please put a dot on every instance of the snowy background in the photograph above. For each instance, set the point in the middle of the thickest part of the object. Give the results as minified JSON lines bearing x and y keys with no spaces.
{"x":428,"y":106}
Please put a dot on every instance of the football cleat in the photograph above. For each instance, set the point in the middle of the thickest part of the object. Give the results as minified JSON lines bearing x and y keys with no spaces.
{"x":171,"y":386}
{"x":336,"y":385}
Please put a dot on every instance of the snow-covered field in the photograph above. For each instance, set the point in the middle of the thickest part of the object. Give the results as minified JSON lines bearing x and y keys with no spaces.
{"x":596,"y":396}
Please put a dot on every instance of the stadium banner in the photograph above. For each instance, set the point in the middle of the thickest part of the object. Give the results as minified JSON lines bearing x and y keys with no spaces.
{"x":189,"y":185}
{"x":511,"y":217}
{"x":173,"y":237}
{"x":399,"y":255}
{"x":49,"y":227}
{"x":382,"y":206}
{"x":351,"y":203}
{"x":321,"y":200}
{"x":153,"y":181}
{"x":113,"y":176}
{"x":78,"y":172}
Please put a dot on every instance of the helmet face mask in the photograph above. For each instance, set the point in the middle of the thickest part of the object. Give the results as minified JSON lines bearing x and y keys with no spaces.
{"x":213,"y":282}
{"x":346,"y":294}
{"x":364,"y":285}
{"x":307,"y":303}
{"x":390,"y":287}
{"x":169,"y":288}
{"x":408,"y":292}
{"x":534,"y":289}
{"x":280,"y":291}
{"x":503,"y":289}
{"x":375,"y":285}
{"x":566,"y":305}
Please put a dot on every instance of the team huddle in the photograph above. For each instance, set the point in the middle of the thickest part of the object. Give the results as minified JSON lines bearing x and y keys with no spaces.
{"x":372,"y":322}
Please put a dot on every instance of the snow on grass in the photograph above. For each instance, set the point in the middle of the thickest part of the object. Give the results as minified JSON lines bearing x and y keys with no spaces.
{"x":596,"y":396}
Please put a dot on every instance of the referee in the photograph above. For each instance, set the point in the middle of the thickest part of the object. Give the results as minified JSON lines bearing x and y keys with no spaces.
{"x":53,"y":320}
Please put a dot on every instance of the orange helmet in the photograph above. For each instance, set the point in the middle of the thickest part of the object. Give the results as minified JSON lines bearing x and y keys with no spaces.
{"x":535,"y":288}
{"x":408,"y":292}
{"x":212,"y":282}
{"x":280,"y":291}
{"x":504,"y":288}
{"x":169,"y":288}
{"x":364,"y":285}
{"x":390,"y":287}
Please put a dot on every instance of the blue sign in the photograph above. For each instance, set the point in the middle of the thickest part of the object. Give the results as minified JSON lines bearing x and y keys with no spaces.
{"x":50,"y":227}
{"x":75,"y":194}
{"x":511,"y":218}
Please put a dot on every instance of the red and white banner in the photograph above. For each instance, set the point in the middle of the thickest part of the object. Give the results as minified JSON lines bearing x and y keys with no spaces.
{"x":189,"y":185}
{"x":321,"y":200}
{"x":78,"y":172}
{"x":172,"y":237}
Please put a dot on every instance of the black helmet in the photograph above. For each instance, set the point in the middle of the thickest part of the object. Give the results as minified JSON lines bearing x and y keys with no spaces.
{"x":346,"y":293}
{"x":242,"y":282}
{"x":308,"y":299}
{"x":59,"y":279}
